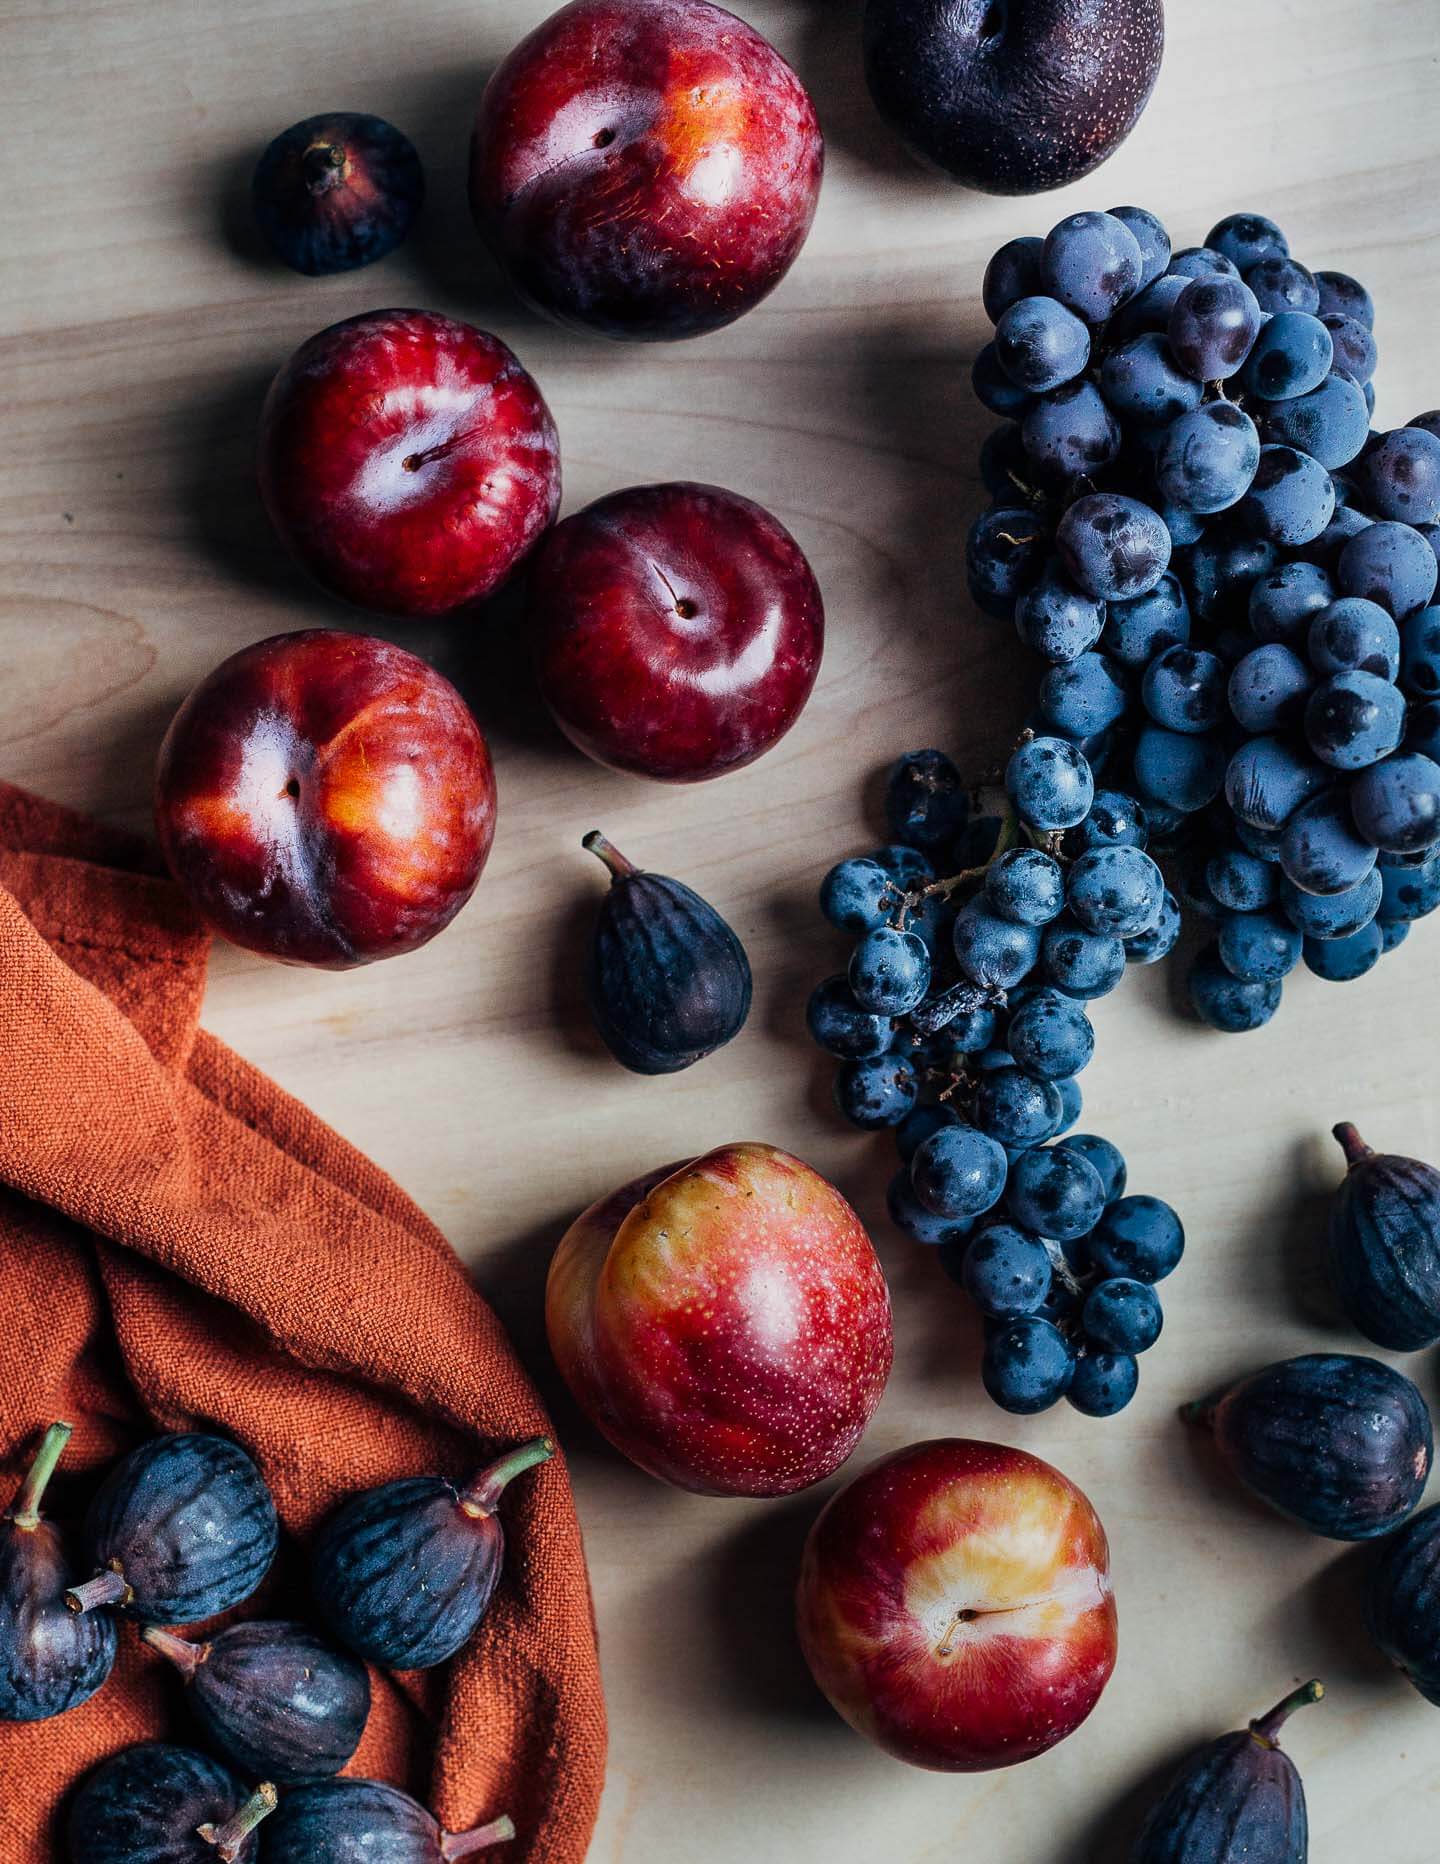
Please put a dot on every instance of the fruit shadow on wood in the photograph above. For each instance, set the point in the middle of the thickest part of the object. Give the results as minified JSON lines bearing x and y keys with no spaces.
{"x":827,"y":54}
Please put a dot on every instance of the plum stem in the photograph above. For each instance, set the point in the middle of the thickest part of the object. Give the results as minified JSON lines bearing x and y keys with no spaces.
{"x":595,"y":843}
{"x":1352,"y":1145}
{"x":107,"y":1588}
{"x":965,"y":1616}
{"x":25,"y":1509}
{"x":481,"y":1495}
{"x":463,"y":1844}
{"x":1266,"y":1728}
{"x":186,"y":1657}
{"x":229,"y":1838}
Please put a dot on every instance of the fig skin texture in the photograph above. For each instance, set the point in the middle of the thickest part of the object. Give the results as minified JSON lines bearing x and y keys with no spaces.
{"x":1403,"y":1602}
{"x":366,"y":1822}
{"x":160,"y":1804}
{"x":1385,"y":1245}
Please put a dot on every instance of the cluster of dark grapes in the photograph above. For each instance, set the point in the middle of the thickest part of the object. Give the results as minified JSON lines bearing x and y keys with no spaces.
{"x":1230,"y":576}
{"x":961,"y":1023}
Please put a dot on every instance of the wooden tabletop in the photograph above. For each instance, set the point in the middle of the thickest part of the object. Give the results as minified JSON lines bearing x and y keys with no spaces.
{"x":140,"y":326}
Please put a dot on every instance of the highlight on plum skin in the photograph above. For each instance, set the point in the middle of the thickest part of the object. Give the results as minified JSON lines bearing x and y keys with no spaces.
{"x":337,"y":191}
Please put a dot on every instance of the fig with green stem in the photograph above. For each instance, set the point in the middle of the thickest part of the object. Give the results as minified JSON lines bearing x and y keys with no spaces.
{"x":160,"y":1804}
{"x":366,"y":1822}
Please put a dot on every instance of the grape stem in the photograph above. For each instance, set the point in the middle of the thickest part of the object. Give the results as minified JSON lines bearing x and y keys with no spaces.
{"x":25,"y":1509}
{"x":1008,"y":837}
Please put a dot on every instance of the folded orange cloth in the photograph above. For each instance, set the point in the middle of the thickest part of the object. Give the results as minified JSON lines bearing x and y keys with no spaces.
{"x":182,"y":1245}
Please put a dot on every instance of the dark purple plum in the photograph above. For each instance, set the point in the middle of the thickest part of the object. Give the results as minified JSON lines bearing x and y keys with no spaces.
{"x":366,"y":1822}
{"x":274,"y":1698}
{"x":404,"y":1573}
{"x":1385,"y":1245}
{"x":158,"y":1804}
{"x":50,"y":1659}
{"x":1403,"y":1604}
{"x":1013,"y":96}
{"x":1337,"y":1442}
{"x":181,"y":1528}
{"x":337,"y":191}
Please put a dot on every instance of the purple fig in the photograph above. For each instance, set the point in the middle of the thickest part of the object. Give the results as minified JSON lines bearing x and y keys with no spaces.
{"x":1385,"y":1245}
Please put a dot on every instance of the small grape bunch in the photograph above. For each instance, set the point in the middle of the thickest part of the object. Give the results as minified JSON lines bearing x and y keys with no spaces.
{"x":1230,"y":579}
{"x":961,"y":1023}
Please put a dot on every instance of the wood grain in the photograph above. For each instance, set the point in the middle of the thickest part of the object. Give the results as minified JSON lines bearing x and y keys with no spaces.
{"x":139,"y":329}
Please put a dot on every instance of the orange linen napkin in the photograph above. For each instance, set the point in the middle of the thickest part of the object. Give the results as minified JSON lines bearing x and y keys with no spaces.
{"x":182,"y":1245}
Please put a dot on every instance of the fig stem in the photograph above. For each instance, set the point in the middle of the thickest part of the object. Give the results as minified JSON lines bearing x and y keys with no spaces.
{"x":229,"y":1838}
{"x":1351,"y":1144}
{"x":597,"y":844}
{"x":463,"y":1844}
{"x":25,"y":1509}
{"x":481,"y":1495}
{"x":1266,"y":1728}
{"x":186,"y":1657}
{"x":1199,"y":1411}
{"x":107,"y":1588}
{"x":322,"y":165}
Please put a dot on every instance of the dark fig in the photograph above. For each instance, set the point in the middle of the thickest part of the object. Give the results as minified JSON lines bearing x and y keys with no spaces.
{"x":49,"y":1659}
{"x":337,"y":191}
{"x":1385,"y":1245}
{"x":403,"y":1573}
{"x":1340,"y":1443}
{"x":158,"y":1804}
{"x":1403,"y":1603}
{"x":1238,"y":1801}
{"x":181,"y":1528}
{"x":275,"y":1699}
{"x":365,"y":1822}
{"x":667,"y":980}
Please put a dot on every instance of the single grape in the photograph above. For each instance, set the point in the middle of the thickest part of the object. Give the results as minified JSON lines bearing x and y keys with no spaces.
{"x":1193,"y":262}
{"x":1284,"y":602}
{"x":1082,"y":964}
{"x":958,"y":1172}
{"x":1040,"y":343}
{"x":1396,"y":803}
{"x":1354,"y":633}
{"x":1321,"y":850}
{"x":1429,"y":421}
{"x":926,"y":802}
{"x":919,"y":1124}
{"x":1115,"y":548}
{"x":1051,"y":1037}
{"x":1258,"y":947}
{"x":1103,"y":1383}
{"x":1137,"y":630}
{"x":1025,"y":885}
{"x":1004,"y":555}
{"x":1339,"y":292}
{"x":1115,"y":821}
{"x":1410,"y":893}
{"x":1347,"y":522}
{"x":1342,"y":960}
{"x":1138,"y":1237}
{"x":1267,"y":780}
{"x":1055,"y":1193}
{"x":1015,"y":1108}
{"x":1149,"y":309}
{"x":858,"y":895}
{"x":889,"y":971}
{"x":1072,"y":1103}
{"x":1329,"y":423}
{"x":1056,"y":619}
{"x":1083,"y":697}
{"x":1027,"y":1365}
{"x":1268,"y":688}
{"x":1291,"y":498}
{"x":911,"y":1217}
{"x":1283,"y":285}
{"x":1013,"y":273}
{"x":1263,"y":843}
{"x":1224,"y":1002}
{"x":1007,"y":1271}
{"x":1208,"y":458}
{"x":1151,"y":239}
{"x":993,"y":952}
{"x":994,"y":390}
{"x":876,"y":1091}
{"x":1184,"y":690}
{"x":1332,"y":915}
{"x":1353,"y":719}
{"x":1393,"y":932}
{"x":1105,"y":1157}
{"x":839,"y":1025}
{"x":1182,"y":770}
{"x":1220,"y":570}
{"x":1092,"y":263}
{"x":1071,"y":433}
{"x":1142,"y":382}
{"x":1391,"y":564}
{"x":1050,"y":783}
{"x":1115,"y":891}
{"x":1291,"y":356}
{"x":1160,"y":939}
{"x":1239,"y":882}
{"x":908,"y":867}
{"x":1212,"y":327}
{"x":971,"y":1032}
{"x":1121,"y":1315}
{"x":1246,"y":239}
{"x":1420,"y":653}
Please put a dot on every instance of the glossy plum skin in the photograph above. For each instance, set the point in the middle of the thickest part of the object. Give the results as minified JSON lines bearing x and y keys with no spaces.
{"x":647,"y":169}
{"x":1013,"y":96}
{"x":325,"y":799}
{"x":367,"y":1822}
{"x":724,"y":1323}
{"x":407,"y":461}
{"x":677,"y":630}
{"x":188,"y":1525}
{"x":337,"y":191}
{"x":276,"y":1700}
{"x":955,"y":1605}
{"x":146,"y":1804}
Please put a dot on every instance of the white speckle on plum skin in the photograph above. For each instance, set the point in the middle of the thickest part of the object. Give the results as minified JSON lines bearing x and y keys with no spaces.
{"x":771,"y":1307}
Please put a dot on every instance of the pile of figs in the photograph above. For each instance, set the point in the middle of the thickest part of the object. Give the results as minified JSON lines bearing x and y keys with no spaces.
{"x":184,"y":1528}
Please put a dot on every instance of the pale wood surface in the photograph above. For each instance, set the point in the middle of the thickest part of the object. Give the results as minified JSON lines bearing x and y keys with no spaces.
{"x":139,"y":330}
